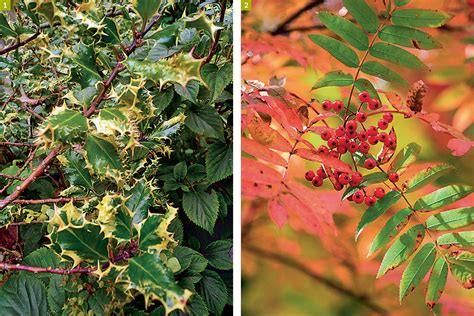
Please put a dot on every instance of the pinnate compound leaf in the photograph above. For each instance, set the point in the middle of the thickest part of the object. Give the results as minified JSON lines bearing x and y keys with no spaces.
{"x":347,"y":30}
{"x":337,"y":49}
{"x":436,"y":282}
{"x":155,"y":281}
{"x":442,"y":197}
{"x":408,"y":37}
{"x":376,"y":210}
{"x":417,"y":268}
{"x":462,"y":239}
{"x":262,"y":132}
{"x":146,"y":8}
{"x":363,"y":14}
{"x":102,"y":156}
{"x":334,"y":79}
{"x":216,"y":78}
{"x":74,"y":167}
{"x":206,"y":121}
{"x":376,"y":69}
{"x":219,"y":254}
{"x":396,"y":55}
{"x":420,"y":18}
{"x":427,"y":176}
{"x":450,"y":220}
{"x":201,"y":208}
{"x":402,"y":249}
{"x":461,"y":265}
{"x":391,"y":229}
{"x":23,"y":295}
{"x":218,"y":162}
{"x":212,"y":288}
{"x":406,"y":157}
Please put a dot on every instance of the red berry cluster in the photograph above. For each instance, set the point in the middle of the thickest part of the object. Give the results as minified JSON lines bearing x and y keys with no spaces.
{"x":353,"y":137}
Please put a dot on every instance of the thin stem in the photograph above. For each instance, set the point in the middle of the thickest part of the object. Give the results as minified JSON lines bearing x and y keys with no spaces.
{"x":16,"y":144}
{"x":19,"y":267}
{"x":55,"y":200}
{"x":282,"y":26}
{"x":20,"y":43}
{"x":213,"y":49}
{"x":13,"y":177}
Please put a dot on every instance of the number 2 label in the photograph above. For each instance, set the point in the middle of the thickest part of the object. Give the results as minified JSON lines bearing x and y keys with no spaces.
{"x":246,"y":5}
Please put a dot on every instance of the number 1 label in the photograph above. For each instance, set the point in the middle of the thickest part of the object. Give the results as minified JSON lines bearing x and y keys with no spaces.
{"x":5,"y":5}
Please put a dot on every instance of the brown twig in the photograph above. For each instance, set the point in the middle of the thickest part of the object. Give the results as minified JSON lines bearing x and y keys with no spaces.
{"x":16,"y":144}
{"x":55,"y":200}
{"x":213,"y":50}
{"x":19,"y":267}
{"x":283,"y":25}
{"x":9,"y":176}
{"x":20,"y":43}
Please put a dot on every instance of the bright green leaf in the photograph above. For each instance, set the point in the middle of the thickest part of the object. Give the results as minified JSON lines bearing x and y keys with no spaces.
{"x":437,"y":282}
{"x":452,"y":219}
{"x":201,"y":208}
{"x":461,"y":265}
{"x":420,"y":18}
{"x":396,"y":55}
{"x":372,"y":178}
{"x":363,"y":14}
{"x":427,"y":176}
{"x":463,"y":239}
{"x":139,"y":200}
{"x":218,"y":162}
{"x":146,"y":8}
{"x":442,"y":197}
{"x":347,"y":30}
{"x":401,"y":3}
{"x":408,"y":37}
{"x":363,"y":84}
{"x":376,"y":69}
{"x":406,"y":157}
{"x":334,"y":79}
{"x":337,"y":49}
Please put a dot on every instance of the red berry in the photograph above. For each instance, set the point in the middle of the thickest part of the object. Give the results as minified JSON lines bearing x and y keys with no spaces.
{"x":351,"y":134}
{"x":321,"y":173}
{"x":338,"y":105}
{"x":334,"y":154}
{"x":364,"y":147}
{"x":390,"y":142}
{"x":352,"y":147}
{"x":393,"y":177}
{"x":370,"y":163}
{"x":361,"y":116}
{"x":351,"y":125}
{"x":309,"y":175}
{"x":370,"y":200}
{"x":382,"y":137}
{"x":356,"y":179}
{"x":343,"y":141}
{"x":364,"y":96}
{"x":340,"y":131}
{"x":325,"y":135}
{"x":362,"y":136}
{"x":358,"y":197}
{"x":317,"y":181}
{"x":383,"y":124}
{"x":327,"y":105}
{"x":332,"y":142}
{"x":372,"y":131}
{"x":374,"y":104}
{"x":379,"y":193}
{"x":372,"y":140}
{"x":344,"y":179}
{"x":323,"y":149}
{"x":341,"y":149}
{"x":337,"y":186}
{"x":388,"y":117}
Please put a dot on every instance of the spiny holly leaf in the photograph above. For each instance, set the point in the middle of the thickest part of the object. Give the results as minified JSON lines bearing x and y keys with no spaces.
{"x":201,"y":208}
{"x":214,"y":291}
{"x":417,"y":268}
{"x":201,"y":22}
{"x":155,"y":281}
{"x":115,"y":219}
{"x":111,"y":33}
{"x":391,"y":229}
{"x":5,"y":28}
{"x":406,"y":157}
{"x":65,"y":125}
{"x":154,"y":234}
{"x":420,"y":18}
{"x":408,"y":37}
{"x":146,"y":8}
{"x":376,"y":69}
{"x":347,"y":30}
{"x":74,"y":167}
{"x":463,"y":239}
{"x":102,"y":156}
{"x":461,"y":265}
{"x":86,"y":70}
{"x":442,"y":197}
{"x":427,"y":176}
{"x":396,"y":56}
{"x":216,"y":78}
{"x":402,"y":249}
{"x":376,"y":210}
{"x":23,"y":295}
{"x":113,"y":121}
{"x":450,"y":220}
{"x":334,"y":79}
{"x":337,"y":49}
{"x":436,"y":283}
{"x":219,"y":254}
{"x":218,"y":162}
{"x":206,"y":121}
{"x":139,"y":200}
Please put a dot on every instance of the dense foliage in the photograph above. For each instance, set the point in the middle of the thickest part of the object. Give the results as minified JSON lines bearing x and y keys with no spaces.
{"x":116,"y":157}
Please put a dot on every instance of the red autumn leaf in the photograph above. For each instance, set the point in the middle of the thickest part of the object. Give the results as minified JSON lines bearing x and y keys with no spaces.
{"x":324,"y":159}
{"x":253,"y":189}
{"x":259,"y":151}
{"x":265,"y":135}
{"x":275,"y":114}
{"x":290,"y":114}
{"x":259,"y":172}
{"x":277,"y":213}
{"x":460,"y":147}
{"x":303,"y":211}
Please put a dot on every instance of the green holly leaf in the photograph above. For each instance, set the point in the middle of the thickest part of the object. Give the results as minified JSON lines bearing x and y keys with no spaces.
{"x":75,"y":170}
{"x":201,"y":208}
{"x":65,"y":125}
{"x":442,"y":197}
{"x":102,"y":156}
{"x":115,"y":219}
{"x":139,"y":200}
{"x":86,"y":70}
{"x":218,"y":162}
{"x":5,"y":28}
{"x":334,"y":79}
{"x":23,"y":295}
{"x":347,"y":30}
{"x":150,"y":235}
{"x":111,"y":33}
{"x":337,"y":49}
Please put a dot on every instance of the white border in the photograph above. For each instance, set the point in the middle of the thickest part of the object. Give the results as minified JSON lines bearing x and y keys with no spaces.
{"x":237,"y":307}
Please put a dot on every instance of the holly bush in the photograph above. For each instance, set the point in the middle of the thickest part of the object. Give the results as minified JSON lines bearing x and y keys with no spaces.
{"x":116,"y":157}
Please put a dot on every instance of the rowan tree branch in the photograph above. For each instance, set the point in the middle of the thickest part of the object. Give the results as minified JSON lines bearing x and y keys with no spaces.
{"x":283,"y":25}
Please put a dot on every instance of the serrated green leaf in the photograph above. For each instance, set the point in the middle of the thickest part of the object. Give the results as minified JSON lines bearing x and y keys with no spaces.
{"x":363,"y":14}
{"x":463,"y":239}
{"x":65,"y":125}
{"x":5,"y":28}
{"x":420,"y":18}
{"x":219,"y":254}
{"x":218,"y":161}
{"x":405,"y":158}
{"x":139,"y":200}
{"x":334,"y":79}
{"x":75,"y":170}
{"x":216,"y":78}
{"x":376,"y":210}
{"x":461,"y":265}
{"x":42,"y":257}
{"x":56,"y":294}
{"x":442,"y":197}
{"x":416,"y":269}
{"x":451,"y":219}
{"x":436,"y":282}
{"x":363,"y":84}
{"x":372,"y":178}
{"x":23,"y":295}
{"x":396,"y":55}
{"x":408,"y":37}
{"x":391,"y":229}
{"x":201,"y":208}
{"x":337,"y":49}
{"x":206,"y":121}
{"x":102,"y":156}
{"x":402,"y":249}
{"x":213,"y":290}
{"x":190,"y":259}
{"x":376,"y":69}
{"x":189,"y":92}
{"x":146,"y":8}
{"x":347,"y":30}
{"x":180,"y":170}
{"x":427,"y":176}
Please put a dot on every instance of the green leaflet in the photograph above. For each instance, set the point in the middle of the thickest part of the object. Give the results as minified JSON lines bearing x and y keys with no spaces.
{"x":5,"y":28}
{"x":396,"y":55}
{"x":372,"y":178}
{"x":376,"y":210}
{"x":337,"y":49}
{"x":436,"y":282}
{"x":401,"y":249}
{"x":363,"y":84}
{"x":154,"y":280}
{"x":461,"y":265}
{"x":56,"y":294}
{"x":405,"y":158}
{"x":139,"y":200}
{"x":408,"y":37}
{"x":400,"y":3}
{"x":219,"y":254}
{"x":75,"y":169}
{"x":347,"y":30}
{"x":86,"y":69}
{"x":427,"y":176}
{"x":463,"y":239}
{"x":102,"y":156}
{"x":201,"y":208}
{"x":416,"y":269}
{"x":420,"y":18}
{"x":146,"y":8}
{"x":65,"y":125}
{"x":216,"y":78}
{"x":213,"y":290}
{"x":180,"y":68}
{"x":452,"y":219}
{"x":218,"y":161}
{"x":363,"y":14}
{"x":376,"y":69}
{"x":442,"y":197}
{"x":334,"y":79}
{"x":23,"y":295}
{"x":205,"y":120}
{"x":391,"y":229}
{"x":180,"y":170}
